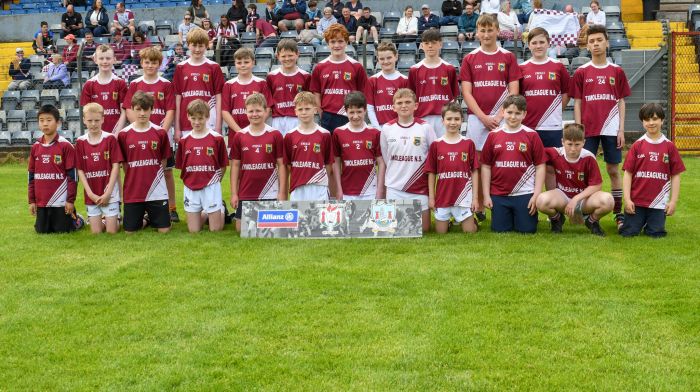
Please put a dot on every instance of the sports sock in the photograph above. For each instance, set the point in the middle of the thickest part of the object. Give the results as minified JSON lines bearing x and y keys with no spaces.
{"x":555,"y":217}
{"x":617,"y":197}
{"x":591,"y":219}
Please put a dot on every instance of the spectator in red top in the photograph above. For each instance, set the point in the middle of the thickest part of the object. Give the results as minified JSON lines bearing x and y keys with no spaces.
{"x":70,"y":53}
{"x":123,"y":20}
{"x":267,"y":36}
{"x":140,"y":42}
{"x":119,"y":48}
{"x":211,"y":32}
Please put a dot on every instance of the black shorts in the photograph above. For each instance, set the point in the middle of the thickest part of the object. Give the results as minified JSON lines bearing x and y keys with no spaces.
{"x":331,"y":121}
{"x":53,"y":220}
{"x":158,"y":214}
{"x":239,"y":208}
{"x":551,"y":138}
{"x":611,"y":154}
{"x":170,"y":162}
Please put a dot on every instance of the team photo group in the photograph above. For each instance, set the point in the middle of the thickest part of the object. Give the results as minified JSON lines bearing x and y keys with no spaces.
{"x":385,"y":136}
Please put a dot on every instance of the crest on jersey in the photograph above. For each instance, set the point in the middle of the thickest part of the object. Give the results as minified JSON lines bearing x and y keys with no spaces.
{"x":416,"y":140}
{"x":612,"y":81}
{"x":300,"y":88}
{"x":581,"y":176}
{"x":552,"y":76}
{"x":501,"y":67}
{"x":465,"y":156}
{"x":665,"y":158}
{"x":106,"y":155}
{"x":154,"y":145}
{"x":161,"y":95}
{"x":57,"y":159}
{"x":347,"y":76}
{"x":115,"y":95}
{"x":368,"y":143}
{"x":443,"y":80}
{"x":268,"y":148}
{"x":317,"y":147}
{"x":522,"y":147}
{"x":205,"y":77}
{"x":210,"y":151}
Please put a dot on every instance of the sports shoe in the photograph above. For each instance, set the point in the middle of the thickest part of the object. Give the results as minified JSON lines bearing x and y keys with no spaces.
{"x":174,"y":217}
{"x":594,"y":227}
{"x":557,"y":224}
{"x":619,"y":221}
{"x":480,"y":216}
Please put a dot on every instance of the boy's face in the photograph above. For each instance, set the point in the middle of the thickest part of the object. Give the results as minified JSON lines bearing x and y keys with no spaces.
{"x":652,"y":125}
{"x":142,"y":115}
{"x":486,"y":34}
{"x":88,"y":38}
{"x":538,"y":46}
{"x":305,"y":112}
{"x":405,"y":106}
{"x":452,"y":122}
{"x":431,"y":48}
{"x":197,"y":51}
{"x":287,"y":58}
{"x":244,"y":65}
{"x":387,"y":60}
{"x":572,"y":148}
{"x":356,"y":115}
{"x":150,"y":67}
{"x":337,"y":46}
{"x":514,"y":116}
{"x":178,"y":49}
{"x":93,"y":121}
{"x":256,"y":114}
{"x":597,"y":44}
{"x":104,"y":60}
{"x":365,"y":14}
{"x":198,"y":122}
{"x":47,"y":124}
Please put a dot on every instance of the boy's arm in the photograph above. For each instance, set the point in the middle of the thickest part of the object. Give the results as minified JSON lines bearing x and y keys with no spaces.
{"x":473,"y":106}
{"x":486,"y":186}
{"x":235,"y":170}
{"x":577,"y":110}
{"x":373,"y":116}
{"x":540,"y":173}
{"x":113,"y":177}
{"x":564,"y":100}
{"x":675,"y":189}
{"x":288,"y":179}
{"x":431,"y":191}
{"x":627,"y":192}
{"x":381,"y":173}
{"x":178,"y":131}
{"x":621,"y":131}
{"x":121,"y":123}
{"x":30,"y":185}
{"x":88,"y":190}
{"x":282,"y":179}
{"x":336,"y":179}
{"x":318,"y":102}
{"x":167,"y":121}
{"x":475,"y":185}
{"x":217,"y":125}
{"x":232,"y":125}
{"x":331,"y":184}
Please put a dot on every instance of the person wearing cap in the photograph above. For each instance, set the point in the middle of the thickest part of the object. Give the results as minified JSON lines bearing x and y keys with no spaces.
{"x":57,"y":76}
{"x":427,"y":20}
{"x":19,"y":71}
{"x":407,"y":29}
{"x":97,"y":19}
{"x":71,"y":22}
{"x":123,"y":20}
{"x":70,"y":53}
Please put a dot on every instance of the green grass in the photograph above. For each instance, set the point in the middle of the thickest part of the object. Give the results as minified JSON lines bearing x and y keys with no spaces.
{"x":212,"y":311}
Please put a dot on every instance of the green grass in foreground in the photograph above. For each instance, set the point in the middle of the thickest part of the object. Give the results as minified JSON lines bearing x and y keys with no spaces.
{"x":215,"y":312}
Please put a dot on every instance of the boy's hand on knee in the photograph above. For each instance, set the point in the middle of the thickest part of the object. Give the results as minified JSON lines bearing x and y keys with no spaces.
{"x":532,"y":205}
{"x":488,"y":203}
{"x":629,"y":207}
{"x":670,"y":208}
{"x":70,"y":208}
{"x":32,"y":208}
{"x":570,"y":208}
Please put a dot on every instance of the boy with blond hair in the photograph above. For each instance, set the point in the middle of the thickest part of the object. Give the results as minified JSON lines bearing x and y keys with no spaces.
{"x":382,"y":86}
{"x":285,"y":83}
{"x":106,"y":89}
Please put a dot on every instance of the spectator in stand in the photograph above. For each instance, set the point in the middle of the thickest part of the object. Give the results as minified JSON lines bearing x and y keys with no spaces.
{"x":451,"y":11}
{"x":467,"y":24}
{"x":43,"y":38}
{"x":325,"y":22}
{"x":582,"y":41}
{"x":291,"y":14}
{"x":368,"y":22}
{"x":252,"y":17}
{"x":78,"y":3}
{"x":211,"y":32}
{"x":97,"y":20}
{"x":89,"y":48}
{"x":19,"y":71}
{"x":228,"y":34}
{"x":525,"y":8}
{"x":123,"y":20}
{"x":70,"y":53}
{"x":238,"y":15}
{"x":57,"y":74}
{"x":71,"y":22}
{"x":185,"y":28}
{"x":139,"y":42}
{"x":407,"y":29}
{"x":569,"y":9}
{"x":355,"y":8}
{"x":198,"y":12}
{"x":313,"y":15}
{"x":119,"y":47}
{"x":349,"y":22}
{"x":177,"y":56}
{"x":536,"y":5}
{"x":267,"y":36}
{"x":271,"y":12}
{"x":596,"y":16}
{"x":508,"y":24}
{"x":337,"y":7}
{"x":428,"y":20}
{"x":490,"y":7}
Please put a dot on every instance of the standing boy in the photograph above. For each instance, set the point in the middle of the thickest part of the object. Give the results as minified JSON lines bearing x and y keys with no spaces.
{"x":106,"y":89}
{"x":285,"y":83}
{"x":383,"y":85}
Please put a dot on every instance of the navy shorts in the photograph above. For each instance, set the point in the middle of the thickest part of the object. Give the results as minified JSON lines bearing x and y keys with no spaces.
{"x":551,"y":138}
{"x":510,"y":213}
{"x":53,"y":220}
{"x":158,"y":214}
{"x":611,"y":154}
{"x":651,"y":220}
{"x":331,"y":121}
{"x":170,"y":162}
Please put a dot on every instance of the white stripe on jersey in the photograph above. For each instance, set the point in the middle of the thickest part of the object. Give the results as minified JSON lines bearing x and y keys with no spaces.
{"x":526,"y":184}
{"x":270,"y":189}
{"x":158,"y":190}
{"x":59,"y":197}
{"x":464,"y":198}
{"x":612,"y":123}
{"x":370,"y":184}
{"x":319,"y":178}
{"x":662,"y":198}
{"x":215,"y":178}
{"x":499,"y":103}
{"x":551,"y":119}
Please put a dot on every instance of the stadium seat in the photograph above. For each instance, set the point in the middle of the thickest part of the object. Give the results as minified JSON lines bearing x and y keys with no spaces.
{"x":450,"y":50}
{"x":171,"y":40}
{"x":164,"y":27}
{"x":10,"y":100}
{"x":306,"y":51}
{"x":615,"y":29}
{"x":386,"y":33}
{"x":75,"y":127}
{"x":72,"y":114}
{"x":21,"y":138}
{"x":36,"y":60}
{"x":694,"y":13}
{"x":407,"y":47}
{"x":49,"y":97}
{"x":66,"y":134}
{"x":30,"y":99}
{"x":612,"y":11}
{"x":32,"y":122}
{"x":469,"y":46}
{"x":264,"y":52}
{"x":248,"y":37}
{"x":265,"y":62}
{"x":289,"y":34}
{"x":3,"y":117}
{"x":391,"y":20}
{"x":68,"y":98}
{"x":56,"y":28}
{"x":378,"y":16}
{"x":149,"y":26}
{"x":404,"y":65}
{"x":306,"y":67}
{"x":576,"y":62}
{"x":102,"y":40}
{"x":449,"y":33}
{"x":619,"y":44}
{"x":16,"y":120}
{"x":322,"y":52}
{"x":5,"y":138}
{"x":261,"y":70}
{"x":350,"y":51}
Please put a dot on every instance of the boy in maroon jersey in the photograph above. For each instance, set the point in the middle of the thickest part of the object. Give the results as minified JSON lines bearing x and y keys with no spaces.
{"x":285,"y":83}
{"x":513,"y":170}
{"x":145,"y":148}
{"x":335,"y":77}
{"x":599,"y":89}
{"x":238,"y":89}
{"x":653,"y":169}
{"x":433,"y":80}
{"x":201,"y":157}
{"x":308,"y":153}
{"x":453,"y":162}
{"x":382,"y":86}
{"x":106,"y":89}
{"x":197,"y":78}
{"x":52,"y":185}
{"x":257,"y":159}
{"x":163,"y":109}
{"x":98,"y":169}
{"x":359,"y":167}
{"x":578,"y":183}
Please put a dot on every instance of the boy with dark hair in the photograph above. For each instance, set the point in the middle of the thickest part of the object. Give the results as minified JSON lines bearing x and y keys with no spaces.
{"x":382,"y":86}
{"x":52,"y":178}
{"x":285,"y":83}
{"x":367,"y":22}
{"x":106,"y":89}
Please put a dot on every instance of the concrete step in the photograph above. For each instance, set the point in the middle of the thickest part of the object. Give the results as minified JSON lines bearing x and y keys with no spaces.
{"x":673,"y":15}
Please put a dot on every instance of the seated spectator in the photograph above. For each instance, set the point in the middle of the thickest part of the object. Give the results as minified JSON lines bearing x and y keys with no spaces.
{"x":139,"y":42}
{"x":596,"y":16}
{"x":313,"y":15}
{"x":71,"y":22}
{"x":251,"y":18}
{"x":355,"y":8}
{"x":582,"y":41}
{"x":177,"y":56}
{"x":124,"y":20}
{"x":428,"y":20}
{"x":489,"y":7}
{"x":451,"y":11}
{"x":271,"y":9}
{"x":266,"y":34}
{"x":89,"y":48}
{"x":508,"y":24}
{"x":77,"y":3}
{"x":349,"y":22}
{"x":467,"y":24}
{"x":19,"y":71}
{"x":211,"y":32}
{"x":325,"y":22}
{"x":569,"y":9}
{"x":238,"y":14}
{"x":97,"y":20}
{"x":291,"y":14}
{"x":198,"y":12}
{"x":337,"y":7}
{"x":407,"y":29}
{"x":536,"y":5}
{"x":43,"y":38}
{"x":119,"y":47}
{"x":228,"y":34}
{"x":368,"y":22}
{"x":70,"y":53}
{"x":185,"y":28}
{"x":57,"y":74}
{"x":525,"y":8}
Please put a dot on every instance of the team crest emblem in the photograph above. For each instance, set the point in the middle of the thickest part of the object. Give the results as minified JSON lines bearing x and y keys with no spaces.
{"x":205,"y":77}
{"x":522,"y":147}
{"x":161,"y":95}
{"x":416,"y":141}
{"x":268,"y":148}
{"x":383,"y":217}
{"x":154,"y":145}
{"x":210,"y":151}
{"x":581,"y":176}
{"x":665,"y":158}
{"x":464,"y":156}
{"x":317,"y":147}
{"x":330,"y":217}
{"x":347,"y":76}
{"x":57,"y":159}
{"x":300,"y":88}
{"x":552,"y":76}
{"x":115,"y":95}
{"x":368,"y":143}
{"x":501,"y":67}
{"x":443,"y":80}
{"x":612,"y":81}
{"x":106,"y":155}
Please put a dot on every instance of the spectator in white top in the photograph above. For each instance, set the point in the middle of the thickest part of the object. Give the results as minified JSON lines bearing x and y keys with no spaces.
{"x":407,"y":29}
{"x":185,"y":28}
{"x":596,"y":16}
{"x":508,"y":23}
{"x":123,"y":20}
{"x":490,"y":7}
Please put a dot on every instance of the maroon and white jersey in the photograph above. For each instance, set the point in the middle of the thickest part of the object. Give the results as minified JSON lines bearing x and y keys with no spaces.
{"x":380,"y":94}
{"x":542,"y":86}
{"x":405,"y":149}
{"x":434,"y":85}
{"x":96,"y":160}
{"x":258,"y":177}
{"x":284,"y":88}
{"x":452,"y":164}
{"x":49,"y":164}
{"x":110,"y":95}
{"x":358,"y":152}
{"x":308,"y":155}
{"x":234,"y":95}
{"x":600,"y":89}
{"x":573,"y":176}
{"x":144,"y":152}
{"x":203,"y":81}
{"x":513,"y":157}
{"x":201,"y":159}
{"x":335,"y":80}
{"x":652,"y":163}
{"x":163,"y":94}
{"x":489,"y":74}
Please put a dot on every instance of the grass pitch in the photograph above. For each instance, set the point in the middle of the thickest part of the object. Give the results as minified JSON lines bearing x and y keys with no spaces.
{"x":212,"y":311}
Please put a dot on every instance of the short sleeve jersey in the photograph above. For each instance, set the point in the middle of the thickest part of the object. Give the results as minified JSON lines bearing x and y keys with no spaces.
{"x":512,"y":157}
{"x":380,"y":94}
{"x":284,"y":88}
{"x":434,"y":85}
{"x":201,"y":159}
{"x":96,"y":160}
{"x":50,"y":164}
{"x":652,"y":163}
{"x":203,"y":81}
{"x":573,"y":177}
{"x":335,"y":80}
{"x":110,"y":95}
{"x":234,"y":95}
{"x":144,"y":152}
{"x":489,"y":74}
{"x":163,"y":95}
{"x":452,"y":164}
{"x":542,"y":86}
{"x":600,"y":89}
{"x":405,"y":149}
{"x":307,"y":154}
{"x":259,"y":175}
{"x":358,"y":152}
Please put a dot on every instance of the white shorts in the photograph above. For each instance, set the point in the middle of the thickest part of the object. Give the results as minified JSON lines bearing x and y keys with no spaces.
{"x":395,"y":194}
{"x":436,"y":121}
{"x":309,"y":192}
{"x":477,"y":131}
{"x":359,"y":197}
{"x":459,"y":213}
{"x":284,"y":124}
{"x":111,"y":209}
{"x":207,"y":199}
